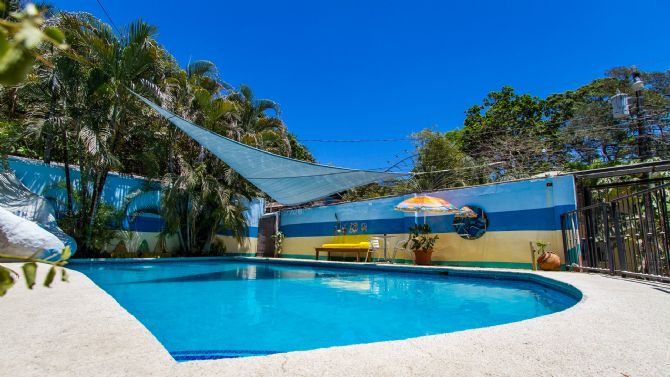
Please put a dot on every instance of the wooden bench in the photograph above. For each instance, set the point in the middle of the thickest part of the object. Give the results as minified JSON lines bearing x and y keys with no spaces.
{"x":329,"y":250}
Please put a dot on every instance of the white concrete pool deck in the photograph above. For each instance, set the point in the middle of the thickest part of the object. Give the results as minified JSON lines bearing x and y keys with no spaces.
{"x":620,"y":328}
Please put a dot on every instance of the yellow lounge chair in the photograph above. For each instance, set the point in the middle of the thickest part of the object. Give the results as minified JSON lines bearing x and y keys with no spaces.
{"x":367,"y":247}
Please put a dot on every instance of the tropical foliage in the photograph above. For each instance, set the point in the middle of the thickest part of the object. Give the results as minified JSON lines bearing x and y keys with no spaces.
{"x":76,"y":106}
{"x":20,"y":37}
{"x":510,"y":136}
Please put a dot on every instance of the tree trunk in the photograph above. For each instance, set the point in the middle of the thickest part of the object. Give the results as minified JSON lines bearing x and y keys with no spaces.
{"x":188,"y":225}
{"x":98,"y":187}
{"x":83,"y":188}
{"x":68,"y":182}
{"x":51,"y":129}
{"x":48,"y":144}
{"x":180,"y":235}
{"x":12,"y":102}
{"x":100,"y":179}
{"x":170,"y":152}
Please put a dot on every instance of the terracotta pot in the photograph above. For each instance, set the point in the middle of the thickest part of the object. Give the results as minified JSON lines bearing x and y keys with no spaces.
{"x":548,"y":261}
{"x":423,"y":257}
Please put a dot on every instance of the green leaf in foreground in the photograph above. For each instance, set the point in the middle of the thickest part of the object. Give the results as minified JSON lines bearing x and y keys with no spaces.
{"x":55,"y":34}
{"x":63,"y":276}
{"x":66,"y":253}
{"x":50,"y":276}
{"x":29,"y":271}
{"x":6,"y":280}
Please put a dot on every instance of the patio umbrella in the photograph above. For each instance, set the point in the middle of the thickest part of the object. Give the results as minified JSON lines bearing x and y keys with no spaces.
{"x":425,"y":204}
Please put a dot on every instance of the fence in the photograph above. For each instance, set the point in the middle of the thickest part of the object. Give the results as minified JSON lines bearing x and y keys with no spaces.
{"x":626,"y":236}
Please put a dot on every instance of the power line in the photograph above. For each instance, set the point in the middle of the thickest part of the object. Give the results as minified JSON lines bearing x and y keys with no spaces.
{"x":111,"y":21}
{"x":357,"y":140}
{"x":566,"y":122}
{"x":582,"y":132}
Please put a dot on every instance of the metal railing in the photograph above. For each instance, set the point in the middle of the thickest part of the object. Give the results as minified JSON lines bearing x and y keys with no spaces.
{"x":626,"y":236}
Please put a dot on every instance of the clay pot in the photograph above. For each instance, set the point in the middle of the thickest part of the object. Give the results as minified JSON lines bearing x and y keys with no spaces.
{"x":423,"y":257}
{"x":548,"y":261}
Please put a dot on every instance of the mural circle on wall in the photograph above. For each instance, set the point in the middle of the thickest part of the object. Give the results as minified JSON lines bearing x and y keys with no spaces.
{"x":469,"y":226}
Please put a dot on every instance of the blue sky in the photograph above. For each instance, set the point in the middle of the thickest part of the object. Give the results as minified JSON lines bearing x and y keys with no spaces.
{"x":383,"y":69}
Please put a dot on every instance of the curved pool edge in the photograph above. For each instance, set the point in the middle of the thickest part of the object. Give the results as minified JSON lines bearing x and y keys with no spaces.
{"x":556,"y":344}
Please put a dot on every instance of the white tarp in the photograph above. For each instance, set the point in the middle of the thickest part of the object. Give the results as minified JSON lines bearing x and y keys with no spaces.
{"x":21,"y":237}
{"x":286,"y":180}
{"x":19,"y":202}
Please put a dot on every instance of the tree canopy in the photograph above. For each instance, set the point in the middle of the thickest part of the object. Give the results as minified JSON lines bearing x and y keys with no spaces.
{"x":510,"y":135}
{"x":74,"y":105}
{"x":65,"y":96}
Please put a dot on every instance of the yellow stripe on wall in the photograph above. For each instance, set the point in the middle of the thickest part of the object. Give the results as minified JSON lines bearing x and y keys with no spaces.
{"x":134,"y":239}
{"x":505,"y":247}
{"x":247,"y":246}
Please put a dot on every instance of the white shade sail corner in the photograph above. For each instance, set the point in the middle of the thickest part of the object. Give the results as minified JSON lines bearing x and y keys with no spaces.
{"x":286,"y":180}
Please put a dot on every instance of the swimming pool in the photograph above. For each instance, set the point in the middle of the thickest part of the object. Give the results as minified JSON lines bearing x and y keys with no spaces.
{"x":222,"y":309}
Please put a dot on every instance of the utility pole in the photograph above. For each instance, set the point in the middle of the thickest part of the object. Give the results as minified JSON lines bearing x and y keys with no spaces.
{"x":642,"y":140}
{"x":644,"y":154}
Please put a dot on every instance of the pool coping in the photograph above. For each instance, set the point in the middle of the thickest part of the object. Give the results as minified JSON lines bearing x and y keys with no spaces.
{"x":579,"y":341}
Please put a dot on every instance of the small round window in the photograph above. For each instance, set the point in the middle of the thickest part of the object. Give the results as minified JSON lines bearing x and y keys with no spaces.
{"x":471,"y":223}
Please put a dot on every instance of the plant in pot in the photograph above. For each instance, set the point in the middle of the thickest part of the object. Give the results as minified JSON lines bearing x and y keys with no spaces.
{"x":278,"y":239}
{"x":421,"y":243}
{"x":547,"y":260}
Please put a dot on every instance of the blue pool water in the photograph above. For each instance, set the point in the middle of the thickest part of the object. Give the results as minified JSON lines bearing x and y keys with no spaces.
{"x":214,"y":309}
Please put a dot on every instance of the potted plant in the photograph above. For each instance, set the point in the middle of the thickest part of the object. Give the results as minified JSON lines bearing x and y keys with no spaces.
{"x":421,"y":243}
{"x":547,"y":260}
{"x":278,"y":239}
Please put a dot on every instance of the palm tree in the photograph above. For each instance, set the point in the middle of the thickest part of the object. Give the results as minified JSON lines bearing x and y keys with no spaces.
{"x":81,"y":106}
{"x":195,"y":205}
{"x":255,"y":127}
{"x":118,"y":63}
{"x":55,"y":101}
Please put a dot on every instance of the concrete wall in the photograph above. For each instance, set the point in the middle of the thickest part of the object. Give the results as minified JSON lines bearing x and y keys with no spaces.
{"x":518,"y":212}
{"x":48,"y":181}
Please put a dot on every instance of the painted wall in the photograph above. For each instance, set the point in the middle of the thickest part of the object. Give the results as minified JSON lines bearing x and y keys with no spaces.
{"x":519,"y":212}
{"x":48,"y":181}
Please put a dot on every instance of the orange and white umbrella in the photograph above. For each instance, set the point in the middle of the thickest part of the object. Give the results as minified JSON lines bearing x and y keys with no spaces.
{"x":425,"y":204}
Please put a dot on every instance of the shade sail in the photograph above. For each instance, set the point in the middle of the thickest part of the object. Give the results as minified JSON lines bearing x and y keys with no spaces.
{"x":286,"y":180}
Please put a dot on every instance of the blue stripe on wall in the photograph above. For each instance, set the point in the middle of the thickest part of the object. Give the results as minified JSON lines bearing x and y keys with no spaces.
{"x":155,"y":224}
{"x":328,"y":228}
{"x":41,"y":178}
{"x":146,"y":224}
{"x":531,"y":219}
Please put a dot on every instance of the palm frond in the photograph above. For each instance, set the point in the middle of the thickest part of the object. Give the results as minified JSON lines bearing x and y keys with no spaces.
{"x":202,"y":68}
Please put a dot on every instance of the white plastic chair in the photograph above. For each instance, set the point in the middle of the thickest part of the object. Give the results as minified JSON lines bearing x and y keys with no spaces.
{"x":404,"y":250}
{"x":375,"y":245}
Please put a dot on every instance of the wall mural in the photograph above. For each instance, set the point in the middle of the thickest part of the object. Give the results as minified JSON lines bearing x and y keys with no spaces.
{"x":471,"y":223}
